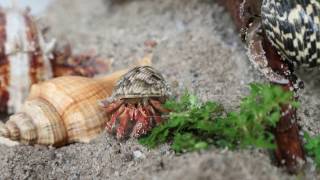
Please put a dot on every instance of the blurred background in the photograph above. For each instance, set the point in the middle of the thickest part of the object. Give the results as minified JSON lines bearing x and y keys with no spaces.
{"x":37,"y":6}
{"x":195,"y":46}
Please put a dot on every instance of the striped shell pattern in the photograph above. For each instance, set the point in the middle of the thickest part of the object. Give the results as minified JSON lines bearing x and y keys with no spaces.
{"x":293,"y":28}
{"x":60,"y":111}
{"x":141,"y":82}
{"x":24,"y":57}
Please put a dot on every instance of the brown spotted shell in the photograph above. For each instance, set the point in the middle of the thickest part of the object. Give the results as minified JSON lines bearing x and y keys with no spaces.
{"x":141,"y":82}
{"x":61,"y":111}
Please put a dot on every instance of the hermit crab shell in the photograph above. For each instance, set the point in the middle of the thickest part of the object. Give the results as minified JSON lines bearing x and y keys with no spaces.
{"x":140,"y":82}
{"x":61,"y":111}
{"x":293,"y":27}
{"x":24,"y":57}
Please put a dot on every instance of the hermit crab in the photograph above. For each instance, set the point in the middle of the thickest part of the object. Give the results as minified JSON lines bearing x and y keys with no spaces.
{"x":136,"y":102}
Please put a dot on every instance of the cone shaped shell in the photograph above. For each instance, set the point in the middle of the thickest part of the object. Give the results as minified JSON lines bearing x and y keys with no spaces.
{"x":61,"y":111}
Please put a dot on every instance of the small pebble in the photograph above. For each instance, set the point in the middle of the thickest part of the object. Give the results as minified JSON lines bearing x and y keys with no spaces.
{"x":127,"y":157}
{"x":138,"y":155}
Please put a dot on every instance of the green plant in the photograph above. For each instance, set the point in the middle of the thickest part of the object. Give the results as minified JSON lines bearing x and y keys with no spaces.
{"x":189,"y":125}
{"x":260,"y":110}
{"x":193,"y":125}
{"x":312,"y":147}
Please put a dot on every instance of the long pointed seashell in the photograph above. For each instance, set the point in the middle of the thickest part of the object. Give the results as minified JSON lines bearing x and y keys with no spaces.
{"x":61,"y":111}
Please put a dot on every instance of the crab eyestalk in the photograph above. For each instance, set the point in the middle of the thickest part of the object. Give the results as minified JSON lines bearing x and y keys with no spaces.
{"x":135,"y":106}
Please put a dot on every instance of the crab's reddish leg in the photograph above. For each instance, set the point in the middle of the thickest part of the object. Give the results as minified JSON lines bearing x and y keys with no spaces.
{"x":147,"y":120}
{"x":110,"y":107}
{"x":132,"y":111}
{"x":142,"y":125}
{"x":123,"y":126}
{"x":155,"y":115}
{"x":135,"y":113}
{"x":158,"y":106}
{"x":110,"y":126}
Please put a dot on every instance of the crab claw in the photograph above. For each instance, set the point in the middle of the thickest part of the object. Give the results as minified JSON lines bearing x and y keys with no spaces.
{"x":111,"y":124}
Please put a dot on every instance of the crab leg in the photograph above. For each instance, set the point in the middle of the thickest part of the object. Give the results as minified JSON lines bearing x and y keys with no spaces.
{"x":110,"y":126}
{"x":155,"y":115}
{"x":110,"y":107}
{"x":132,"y":111}
{"x":147,"y":120}
{"x":124,"y":123}
{"x":142,"y":125}
{"x":158,"y":106}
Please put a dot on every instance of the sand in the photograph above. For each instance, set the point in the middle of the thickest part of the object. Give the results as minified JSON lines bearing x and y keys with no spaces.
{"x":197,"y":49}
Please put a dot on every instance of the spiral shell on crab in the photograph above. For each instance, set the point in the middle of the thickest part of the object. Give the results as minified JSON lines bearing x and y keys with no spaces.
{"x":139,"y":82}
{"x":61,"y":111}
{"x":27,"y":58}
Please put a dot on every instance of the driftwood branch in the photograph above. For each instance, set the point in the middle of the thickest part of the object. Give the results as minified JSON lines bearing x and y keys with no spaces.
{"x":246,"y":16}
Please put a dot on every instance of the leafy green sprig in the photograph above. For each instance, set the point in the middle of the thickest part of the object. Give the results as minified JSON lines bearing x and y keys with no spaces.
{"x":189,"y":125}
{"x":260,"y":110}
{"x":193,"y":125}
{"x":312,"y":147}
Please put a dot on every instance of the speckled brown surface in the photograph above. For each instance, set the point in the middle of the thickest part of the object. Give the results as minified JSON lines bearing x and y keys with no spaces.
{"x":197,"y":49}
